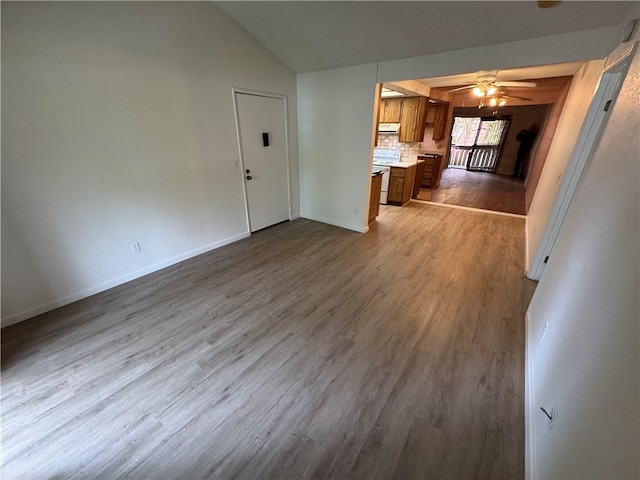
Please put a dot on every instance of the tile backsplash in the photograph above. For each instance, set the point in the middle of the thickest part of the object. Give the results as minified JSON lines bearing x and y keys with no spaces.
{"x":390,"y":141}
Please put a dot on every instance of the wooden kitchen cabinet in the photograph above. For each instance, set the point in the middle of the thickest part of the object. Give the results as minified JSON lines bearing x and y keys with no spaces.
{"x":440,"y":121}
{"x":413,"y":119}
{"x":390,"y":109}
{"x":437,"y":114}
{"x":430,"y":172}
{"x":374,"y":198}
{"x":417,"y":183}
{"x":401,"y":184}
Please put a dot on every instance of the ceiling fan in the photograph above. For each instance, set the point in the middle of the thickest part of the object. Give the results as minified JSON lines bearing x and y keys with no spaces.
{"x":499,"y":99}
{"x":487,"y":84}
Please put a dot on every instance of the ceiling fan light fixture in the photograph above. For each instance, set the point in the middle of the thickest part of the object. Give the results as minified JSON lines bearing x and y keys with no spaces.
{"x":477,"y":91}
{"x":493,"y":102}
{"x":502,"y":102}
{"x":491,"y":90}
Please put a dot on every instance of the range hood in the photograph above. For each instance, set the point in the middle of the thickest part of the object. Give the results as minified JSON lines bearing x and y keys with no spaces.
{"x":388,"y":128}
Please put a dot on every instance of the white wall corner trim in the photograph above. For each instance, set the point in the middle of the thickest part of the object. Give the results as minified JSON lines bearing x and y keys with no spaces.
{"x":526,"y":244}
{"x":529,"y":443}
{"x":74,"y":297}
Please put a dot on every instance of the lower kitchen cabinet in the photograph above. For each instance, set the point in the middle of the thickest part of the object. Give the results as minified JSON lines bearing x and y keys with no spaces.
{"x":374,"y":198}
{"x":418,"y":181}
{"x":430,"y":177}
{"x":401,"y":184}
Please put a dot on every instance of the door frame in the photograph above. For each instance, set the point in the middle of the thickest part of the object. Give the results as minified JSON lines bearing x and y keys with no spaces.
{"x":594,"y":123}
{"x":234,"y":92}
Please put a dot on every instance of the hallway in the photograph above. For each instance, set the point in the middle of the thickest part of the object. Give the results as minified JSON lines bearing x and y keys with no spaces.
{"x":485,"y":191}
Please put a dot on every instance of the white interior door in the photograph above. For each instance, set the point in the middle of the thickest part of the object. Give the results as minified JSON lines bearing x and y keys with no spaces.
{"x":262,"y":120}
{"x":592,"y":127}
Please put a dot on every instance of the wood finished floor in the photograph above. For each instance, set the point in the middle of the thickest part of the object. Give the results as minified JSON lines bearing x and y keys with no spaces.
{"x":304,"y":351}
{"x":485,"y":191}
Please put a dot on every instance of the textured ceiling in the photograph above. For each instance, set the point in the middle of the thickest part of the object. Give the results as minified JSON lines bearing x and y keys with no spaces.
{"x":312,"y":35}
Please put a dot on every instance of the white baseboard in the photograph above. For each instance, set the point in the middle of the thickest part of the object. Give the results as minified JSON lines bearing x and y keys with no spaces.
{"x":74,"y":297}
{"x":529,"y":436}
{"x":294,"y":216}
{"x":363,"y":229}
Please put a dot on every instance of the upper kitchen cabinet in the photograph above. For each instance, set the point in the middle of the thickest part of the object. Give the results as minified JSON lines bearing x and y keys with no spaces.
{"x":440,"y":121}
{"x":413,"y":119}
{"x":437,"y":115}
{"x":390,"y":109}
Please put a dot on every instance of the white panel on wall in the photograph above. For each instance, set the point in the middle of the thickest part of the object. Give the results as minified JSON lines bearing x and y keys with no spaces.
{"x":336,"y":118}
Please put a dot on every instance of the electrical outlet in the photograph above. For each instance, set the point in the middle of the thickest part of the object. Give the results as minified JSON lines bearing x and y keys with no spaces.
{"x":136,"y":248}
{"x":544,"y":331}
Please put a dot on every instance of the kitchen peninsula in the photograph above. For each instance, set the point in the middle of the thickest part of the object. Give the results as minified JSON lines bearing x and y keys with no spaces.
{"x":401,"y":182}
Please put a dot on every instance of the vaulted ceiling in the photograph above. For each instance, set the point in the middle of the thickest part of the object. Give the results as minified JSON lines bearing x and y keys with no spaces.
{"x":316,"y":35}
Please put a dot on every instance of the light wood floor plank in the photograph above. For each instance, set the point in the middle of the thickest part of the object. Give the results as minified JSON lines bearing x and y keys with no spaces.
{"x":482,"y":190}
{"x":304,"y":351}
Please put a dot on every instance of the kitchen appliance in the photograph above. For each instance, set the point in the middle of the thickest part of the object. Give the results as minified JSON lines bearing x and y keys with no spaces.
{"x":389,"y":128}
{"x":382,"y":160}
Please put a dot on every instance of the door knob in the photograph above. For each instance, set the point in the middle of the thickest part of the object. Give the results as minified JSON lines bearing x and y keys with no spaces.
{"x":249,"y":177}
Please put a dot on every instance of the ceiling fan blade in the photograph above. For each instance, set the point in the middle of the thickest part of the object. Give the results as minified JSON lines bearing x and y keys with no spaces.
{"x":461,"y":88}
{"x":519,"y":98}
{"x":515,"y":84}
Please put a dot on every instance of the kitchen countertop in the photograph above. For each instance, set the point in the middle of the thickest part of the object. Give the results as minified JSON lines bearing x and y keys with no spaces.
{"x":403,"y":164}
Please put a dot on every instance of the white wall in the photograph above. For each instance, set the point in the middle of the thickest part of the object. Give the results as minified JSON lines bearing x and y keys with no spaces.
{"x":582,"y":90}
{"x":589,"y":362}
{"x":335,"y":126}
{"x":566,"y":47}
{"x":118,"y":127}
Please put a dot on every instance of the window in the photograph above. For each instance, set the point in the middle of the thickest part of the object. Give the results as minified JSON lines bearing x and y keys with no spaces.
{"x":476,"y":141}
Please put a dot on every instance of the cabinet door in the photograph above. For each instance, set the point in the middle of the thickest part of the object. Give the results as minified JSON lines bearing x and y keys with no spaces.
{"x":440,"y":121}
{"x":409,"y":179}
{"x":390,"y":110}
{"x":396,"y":188}
{"x":413,"y":119}
{"x":431,"y":112}
{"x":374,"y":199}
{"x":427,"y":172}
{"x":417,"y":183}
